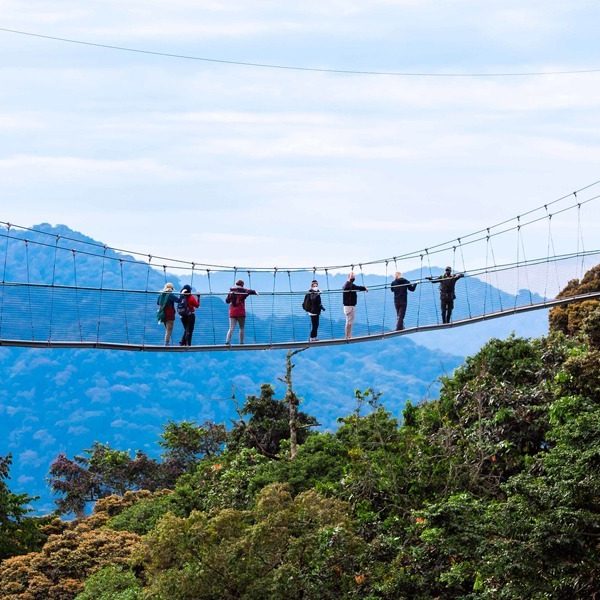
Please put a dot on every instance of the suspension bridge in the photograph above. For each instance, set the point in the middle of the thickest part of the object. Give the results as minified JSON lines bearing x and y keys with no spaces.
{"x":60,"y":289}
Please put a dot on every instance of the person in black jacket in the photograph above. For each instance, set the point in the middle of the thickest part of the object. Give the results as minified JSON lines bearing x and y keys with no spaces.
{"x":349,"y":300}
{"x":400,"y":287}
{"x":447,"y":283}
{"x":313,"y":306}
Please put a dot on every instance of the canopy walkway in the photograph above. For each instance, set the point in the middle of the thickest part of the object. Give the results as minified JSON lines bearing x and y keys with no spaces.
{"x":60,"y":289}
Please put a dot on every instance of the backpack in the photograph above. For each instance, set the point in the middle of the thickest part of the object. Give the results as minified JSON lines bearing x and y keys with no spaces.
{"x":183,"y":308}
{"x":232,"y":299}
{"x":307,"y":304}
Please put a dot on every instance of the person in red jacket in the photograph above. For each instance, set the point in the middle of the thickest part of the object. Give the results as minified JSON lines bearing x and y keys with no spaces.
{"x":188,"y":303}
{"x":237,"y":308}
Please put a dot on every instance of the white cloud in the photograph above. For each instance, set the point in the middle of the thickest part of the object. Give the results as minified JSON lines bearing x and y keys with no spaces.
{"x":286,"y":163}
{"x":30,"y":458}
{"x":44,"y":437}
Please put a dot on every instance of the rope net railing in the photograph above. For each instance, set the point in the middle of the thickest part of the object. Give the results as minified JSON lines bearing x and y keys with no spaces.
{"x":62,"y":289}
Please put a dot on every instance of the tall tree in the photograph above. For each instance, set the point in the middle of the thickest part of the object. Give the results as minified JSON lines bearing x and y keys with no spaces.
{"x":18,"y":533}
{"x":268,"y":425}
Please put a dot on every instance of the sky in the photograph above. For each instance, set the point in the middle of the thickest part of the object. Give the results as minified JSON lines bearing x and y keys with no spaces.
{"x":231,"y":164}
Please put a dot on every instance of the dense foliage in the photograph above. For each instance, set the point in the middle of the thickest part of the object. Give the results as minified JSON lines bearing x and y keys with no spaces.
{"x":18,"y":532}
{"x":490,"y":492}
{"x":569,"y":317}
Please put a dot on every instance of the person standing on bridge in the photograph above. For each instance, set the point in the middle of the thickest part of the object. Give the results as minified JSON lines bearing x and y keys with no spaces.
{"x":400,"y":288}
{"x":349,"y":300}
{"x":447,"y":283}
{"x":237,"y":309}
{"x":166,"y":310}
{"x":313,"y":306}
{"x":188,"y":303}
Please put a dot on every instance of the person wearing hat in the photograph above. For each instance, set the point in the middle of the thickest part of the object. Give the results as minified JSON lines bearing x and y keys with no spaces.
{"x":313,"y":306}
{"x":237,"y":308}
{"x":166,"y":310}
{"x":447,"y":283}
{"x":188,"y":303}
{"x":400,"y":287}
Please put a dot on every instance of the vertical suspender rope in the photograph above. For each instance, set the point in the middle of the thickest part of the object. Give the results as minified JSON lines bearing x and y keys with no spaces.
{"x":77,"y":295}
{"x":146,"y":298}
{"x":362,"y":278}
{"x":329,"y":297}
{"x":100,"y":299}
{"x":420,"y":291}
{"x":273,"y":305}
{"x":497,"y":279}
{"x":384,"y":297}
{"x":4,"y":277}
{"x":292,"y":306}
{"x":192,"y":282}
{"x":125,"y":299}
{"x":212,"y":312}
{"x":577,"y":233}
{"x":52,"y":289}
{"x":547,"y":259}
{"x":558,"y":286}
{"x":580,"y":235}
{"x":526,"y":269}
{"x":252,"y":306}
{"x":518,"y":262}
{"x":487,"y":281}
{"x":29,"y":289}
{"x":464,"y":270}
{"x":435,"y":304}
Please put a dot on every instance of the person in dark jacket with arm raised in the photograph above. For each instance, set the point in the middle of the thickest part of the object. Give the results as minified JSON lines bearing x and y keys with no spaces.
{"x":349,"y":300}
{"x":400,"y":288}
{"x":447,"y":283}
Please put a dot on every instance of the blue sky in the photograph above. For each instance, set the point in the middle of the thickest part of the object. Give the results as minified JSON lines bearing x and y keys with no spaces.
{"x":227,"y":164}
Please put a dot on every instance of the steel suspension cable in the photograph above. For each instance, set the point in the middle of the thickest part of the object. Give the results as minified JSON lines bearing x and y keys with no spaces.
{"x":431,"y":250}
